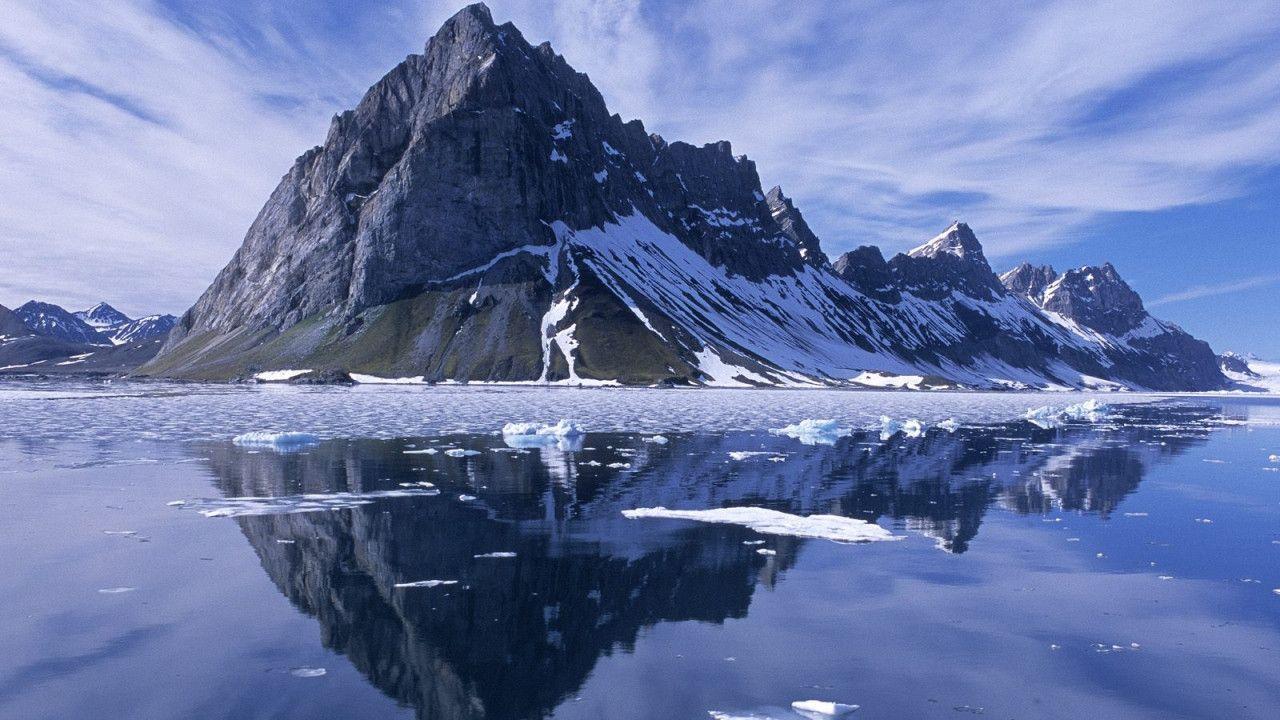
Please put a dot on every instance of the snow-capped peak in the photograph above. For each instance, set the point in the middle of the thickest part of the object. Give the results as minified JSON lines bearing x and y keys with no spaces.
{"x":957,"y":240}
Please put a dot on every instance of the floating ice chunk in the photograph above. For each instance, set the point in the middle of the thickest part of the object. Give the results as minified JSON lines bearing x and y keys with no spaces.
{"x":656,"y":439}
{"x":814,"y":432}
{"x":1164,"y":577}
{"x":752,"y":542}
{"x":747,"y":454}
{"x":501,"y":554}
{"x":618,"y":465}
{"x":176,"y":503}
{"x":466,"y":498}
{"x":119,"y":532}
{"x":1135,"y":514}
{"x":459,"y":452}
{"x":307,"y":672}
{"x":566,"y":435}
{"x":291,"y":504}
{"x":424,"y":451}
{"x":775,"y":522}
{"x":822,"y":708}
{"x":1091,"y":410}
{"x":950,"y":425}
{"x":1274,"y":458}
{"x":425,"y":583}
{"x":279,"y":441}
{"x":766,"y":551}
{"x":1204,"y":521}
{"x":889,"y":427}
{"x":1276,"y":591}
{"x":116,"y":590}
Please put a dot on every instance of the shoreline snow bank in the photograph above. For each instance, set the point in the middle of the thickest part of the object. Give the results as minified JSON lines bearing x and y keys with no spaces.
{"x":775,"y":522}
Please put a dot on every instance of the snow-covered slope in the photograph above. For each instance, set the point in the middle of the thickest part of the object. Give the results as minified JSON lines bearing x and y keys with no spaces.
{"x":151,"y":327}
{"x":1256,"y":375}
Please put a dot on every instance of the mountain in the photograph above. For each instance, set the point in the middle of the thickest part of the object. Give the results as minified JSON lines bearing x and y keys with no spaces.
{"x":1096,"y":303}
{"x":151,"y":327}
{"x":53,"y":321}
{"x":102,"y":317}
{"x":45,"y":338}
{"x":481,"y":216}
{"x":11,"y":324}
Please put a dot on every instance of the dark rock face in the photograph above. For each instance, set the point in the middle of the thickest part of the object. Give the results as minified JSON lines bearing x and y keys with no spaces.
{"x":11,"y":324}
{"x":866,"y":269}
{"x":1097,"y":298}
{"x":793,"y":226}
{"x":52,"y":321}
{"x":1029,"y":280}
{"x":481,"y":216}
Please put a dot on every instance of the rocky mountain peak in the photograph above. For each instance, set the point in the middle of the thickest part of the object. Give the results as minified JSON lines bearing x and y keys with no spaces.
{"x":102,"y":316}
{"x":54,"y":321}
{"x":788,"y":217}
{"x":1029,"y":280}
{"x":865,"y":268}
{"x":1096,"y":297}
{"x":958,"y":241}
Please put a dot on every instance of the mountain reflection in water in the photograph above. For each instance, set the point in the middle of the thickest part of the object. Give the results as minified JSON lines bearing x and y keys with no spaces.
{"x":517,"y":636}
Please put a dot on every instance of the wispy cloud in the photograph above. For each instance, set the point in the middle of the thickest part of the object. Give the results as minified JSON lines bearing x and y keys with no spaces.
{"x":139,"y":140}
{"x":1196,"y":292}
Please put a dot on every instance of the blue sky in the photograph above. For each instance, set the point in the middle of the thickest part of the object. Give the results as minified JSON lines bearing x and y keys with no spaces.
{"x":140,"y":138}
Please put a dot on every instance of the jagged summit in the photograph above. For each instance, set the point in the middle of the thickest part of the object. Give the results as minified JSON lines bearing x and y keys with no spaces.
{"x":103,"y":317}
{"x":794,"y":226}
{"x":1030,"y":280}
{"x":481,"y":215}
{"x":957,"y":240}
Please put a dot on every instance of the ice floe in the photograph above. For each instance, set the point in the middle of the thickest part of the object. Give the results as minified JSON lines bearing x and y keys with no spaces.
{"x":766,"y":551}
{"x":459,"y":452}
{"x":116,"y":590}
{"x":291,"y":504}
{"x":500,"y":554}
{"x":776,"y":522}
{"x":822,"y":708}
{"x":566,"y":435}
{"x":890,"y":427}
{"x":424,"y":451}
{"x":662,"y":440}
{"x":748,"y":454}
{"x":425,"y":583}
{"x":1046,"y":416}
{"x":814,"y":432}
{"x":950,"y":425}
{"x":280,"y":441}
{"x":307,"y":672}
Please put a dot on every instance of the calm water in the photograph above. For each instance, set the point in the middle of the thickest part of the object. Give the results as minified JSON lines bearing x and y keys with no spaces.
{"x":1126,"y":568}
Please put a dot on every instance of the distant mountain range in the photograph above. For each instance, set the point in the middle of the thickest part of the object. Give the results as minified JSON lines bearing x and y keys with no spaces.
{"x":43,"y":337}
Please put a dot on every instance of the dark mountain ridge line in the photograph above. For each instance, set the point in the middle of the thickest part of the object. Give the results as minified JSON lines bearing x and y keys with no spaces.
{"x":481,"y":216}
